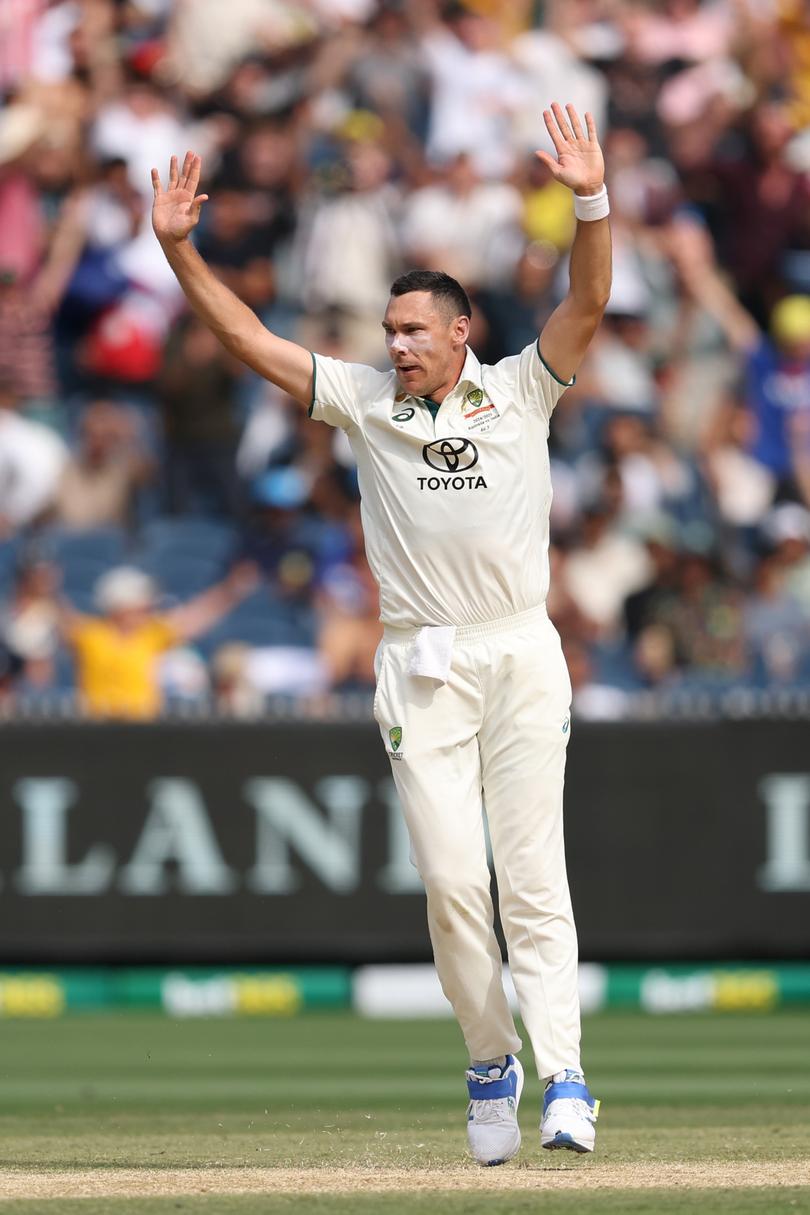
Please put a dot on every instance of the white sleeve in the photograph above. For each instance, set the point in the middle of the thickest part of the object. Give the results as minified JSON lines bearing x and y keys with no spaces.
{"x":536,"y":384}
{"x":342,"y":392}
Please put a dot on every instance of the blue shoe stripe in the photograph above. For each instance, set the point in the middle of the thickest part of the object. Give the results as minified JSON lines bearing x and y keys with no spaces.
{"x":566,"y":1088}
{"x":491,"y":1090}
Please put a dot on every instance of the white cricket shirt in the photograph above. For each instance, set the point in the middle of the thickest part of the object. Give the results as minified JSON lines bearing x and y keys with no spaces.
{"x":455,"y":512}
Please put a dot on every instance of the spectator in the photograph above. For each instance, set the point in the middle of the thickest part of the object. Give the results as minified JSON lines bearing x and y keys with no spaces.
{"x":117,"y":652}
{"x":95,"y":225}
{"x":607,"y":566}
{"x":778,"y":392}
{"x":465,"y":226}
{"x":234,"y":693}
{"x":29,"y":622}
{"x":642,"y":606}
{"x":102,"y":476}
{"x":341,"y":140}
{"x":756,"y":204}
{"x":197,"y":392}
{"x":237,"y":248}
{"x":743,"y":487}
{"x":32,"y":460}
{"x":286,"y":545}
{"x":478,"y":92}
{"x":351,"y":250}
{"x":777,"y":629}
{"x":26,"y":342}
{"x":704,"y":617}
{"x":787,"y":530}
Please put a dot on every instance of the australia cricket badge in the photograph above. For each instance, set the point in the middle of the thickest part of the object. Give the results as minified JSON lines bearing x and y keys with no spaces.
{"x":479,"y":415}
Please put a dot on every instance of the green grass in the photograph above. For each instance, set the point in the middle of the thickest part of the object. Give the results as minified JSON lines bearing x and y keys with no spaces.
{"x":145,"y":1092}
{"x":792,"y":1200}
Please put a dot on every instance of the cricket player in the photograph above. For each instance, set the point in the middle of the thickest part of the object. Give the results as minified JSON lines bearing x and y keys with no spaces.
{"x":473,"y":695}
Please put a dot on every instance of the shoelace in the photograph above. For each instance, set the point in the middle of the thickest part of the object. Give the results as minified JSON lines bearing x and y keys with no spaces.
{"x":580,"y":1107}
{"x":491,"y":1111}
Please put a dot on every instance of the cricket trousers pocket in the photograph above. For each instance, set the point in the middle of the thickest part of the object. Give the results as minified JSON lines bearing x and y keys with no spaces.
{"x":493,"y":737}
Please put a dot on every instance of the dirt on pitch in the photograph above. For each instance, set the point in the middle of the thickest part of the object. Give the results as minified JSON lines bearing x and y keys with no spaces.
{"x":150,"y":1182}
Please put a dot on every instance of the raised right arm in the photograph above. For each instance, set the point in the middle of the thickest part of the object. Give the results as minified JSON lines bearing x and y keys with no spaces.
{"x":175,"y":212}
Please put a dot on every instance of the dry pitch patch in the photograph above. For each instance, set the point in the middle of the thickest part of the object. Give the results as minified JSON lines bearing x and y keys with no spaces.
{"x":587,"y":1176}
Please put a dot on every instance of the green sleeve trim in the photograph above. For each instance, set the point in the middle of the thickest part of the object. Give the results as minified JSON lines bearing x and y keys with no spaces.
{"x":565,"y":383}
{"x":314,"y":381}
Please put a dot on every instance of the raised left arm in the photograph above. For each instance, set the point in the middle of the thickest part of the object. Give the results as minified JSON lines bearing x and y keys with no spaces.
{"x":580,"y":166}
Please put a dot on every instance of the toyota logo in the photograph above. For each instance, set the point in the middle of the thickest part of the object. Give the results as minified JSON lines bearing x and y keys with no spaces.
{"x":450,"y":455}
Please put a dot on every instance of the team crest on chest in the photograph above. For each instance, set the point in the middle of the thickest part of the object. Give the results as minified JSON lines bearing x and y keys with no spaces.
{"x":479,"y":415}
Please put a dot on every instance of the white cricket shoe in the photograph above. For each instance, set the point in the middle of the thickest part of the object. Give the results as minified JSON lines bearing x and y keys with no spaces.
{"x":569,"y":1113}
{"x":492,"y":1125}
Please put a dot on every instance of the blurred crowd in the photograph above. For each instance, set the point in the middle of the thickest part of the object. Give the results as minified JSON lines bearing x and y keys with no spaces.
{"x":174,"y":532}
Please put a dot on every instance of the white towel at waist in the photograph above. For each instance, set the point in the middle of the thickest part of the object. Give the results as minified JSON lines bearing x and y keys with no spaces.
{"x":432,"y":652}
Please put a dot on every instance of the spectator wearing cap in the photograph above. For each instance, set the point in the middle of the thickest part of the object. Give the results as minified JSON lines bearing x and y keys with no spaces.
{"x":284,"y":543}
{"x":117,"y":652}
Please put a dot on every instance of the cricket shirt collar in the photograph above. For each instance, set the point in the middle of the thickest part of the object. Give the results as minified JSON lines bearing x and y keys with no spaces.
{"x":470,"y":377}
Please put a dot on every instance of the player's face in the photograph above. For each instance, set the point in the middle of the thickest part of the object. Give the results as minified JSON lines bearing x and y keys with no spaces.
{"x":423,"y":342}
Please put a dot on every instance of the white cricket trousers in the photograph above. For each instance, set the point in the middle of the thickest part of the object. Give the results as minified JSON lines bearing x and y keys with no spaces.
{"x":498,"y":727}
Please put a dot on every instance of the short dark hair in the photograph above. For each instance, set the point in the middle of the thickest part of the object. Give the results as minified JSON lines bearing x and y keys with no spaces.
{"x":444,"y":289}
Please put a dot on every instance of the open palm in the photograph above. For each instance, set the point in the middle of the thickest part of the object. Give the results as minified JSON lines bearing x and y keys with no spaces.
{"x":176,"y":211}
{"x":579,"y":164}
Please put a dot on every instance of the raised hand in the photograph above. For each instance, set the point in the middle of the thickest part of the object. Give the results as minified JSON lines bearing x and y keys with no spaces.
{"x":177,"y":210}
{"x":579,"y":164}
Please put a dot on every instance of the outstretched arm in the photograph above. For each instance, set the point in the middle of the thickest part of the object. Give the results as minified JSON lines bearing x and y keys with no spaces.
{"x":692,"y":253}
{"x":175,"y":213}
{"x":201,"y":613}
{"x":580,"y":166}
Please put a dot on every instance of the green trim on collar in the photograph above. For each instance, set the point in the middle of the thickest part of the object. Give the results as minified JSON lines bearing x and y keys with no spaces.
{"x":565,"y":383}
{"x":432,"y":405}
{"x":314,"y":380}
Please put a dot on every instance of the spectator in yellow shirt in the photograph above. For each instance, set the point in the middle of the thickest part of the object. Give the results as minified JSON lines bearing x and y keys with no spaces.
{"x":117,"y":653}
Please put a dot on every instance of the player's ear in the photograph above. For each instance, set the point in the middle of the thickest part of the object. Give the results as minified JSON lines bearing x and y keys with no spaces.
{"x":461,"y":330}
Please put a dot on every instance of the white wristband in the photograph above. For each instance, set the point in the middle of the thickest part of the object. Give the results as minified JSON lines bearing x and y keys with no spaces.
{"x":592,"y":206}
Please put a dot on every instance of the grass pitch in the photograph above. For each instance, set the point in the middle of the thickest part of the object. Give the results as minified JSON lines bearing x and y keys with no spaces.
{"x":327,"y":1113}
